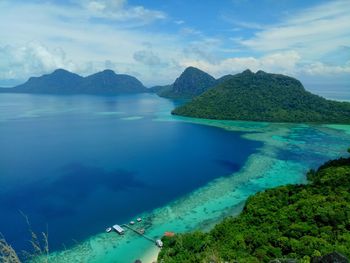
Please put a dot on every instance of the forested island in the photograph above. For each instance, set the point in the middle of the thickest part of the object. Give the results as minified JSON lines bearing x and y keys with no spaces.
{"x":61,"y":81}
{"x":295,"y":222}
{"x":263,"y":96}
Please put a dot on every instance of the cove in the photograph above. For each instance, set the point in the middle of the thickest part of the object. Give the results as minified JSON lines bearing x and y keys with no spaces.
{"x":78,"y":164}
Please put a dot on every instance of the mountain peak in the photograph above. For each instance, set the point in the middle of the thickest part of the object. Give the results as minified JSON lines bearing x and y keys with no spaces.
{"x":260,"y":72}
{"x":193,"y":82}
{"x":60,"y":71}
{"x":190,"y":83}
{"x":108,"y":71}
{"x":247,"y":71}
{"x":191,"y":68}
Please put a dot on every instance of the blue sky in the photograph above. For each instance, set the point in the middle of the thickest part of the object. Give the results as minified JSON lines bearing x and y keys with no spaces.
{"x":156,"y":39}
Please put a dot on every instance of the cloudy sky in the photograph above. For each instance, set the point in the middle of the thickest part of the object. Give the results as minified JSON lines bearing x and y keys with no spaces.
{"x":155,"y":40}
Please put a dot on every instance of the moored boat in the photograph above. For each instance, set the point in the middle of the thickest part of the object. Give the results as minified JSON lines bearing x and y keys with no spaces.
{"x":119,"y":229}
{"x":159,"y":243}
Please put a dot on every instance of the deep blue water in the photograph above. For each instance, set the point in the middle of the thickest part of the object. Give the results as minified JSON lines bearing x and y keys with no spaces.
{"x":72,"y":163}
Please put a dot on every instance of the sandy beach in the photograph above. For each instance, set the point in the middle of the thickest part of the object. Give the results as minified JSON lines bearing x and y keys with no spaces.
{"x":151,"y":255}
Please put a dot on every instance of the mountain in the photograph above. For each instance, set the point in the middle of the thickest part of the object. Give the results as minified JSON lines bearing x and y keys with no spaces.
{"x":223,"y":79}
{"x":110,"y":83}
{"x":293,"y":223}
{"x":64,"y":82}
{"x":192,"y":82}
{"x":264,"y":97}
{"x":59,"y":81}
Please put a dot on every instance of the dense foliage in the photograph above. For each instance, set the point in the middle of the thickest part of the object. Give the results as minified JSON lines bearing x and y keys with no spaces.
{"x":64,"y":82}
{"x":264,"y":97}
{"x":294,"y":221}
{"x":192,"y":82}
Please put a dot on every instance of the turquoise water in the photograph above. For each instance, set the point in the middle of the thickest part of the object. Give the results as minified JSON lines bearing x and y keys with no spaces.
{"x":285,"y":153}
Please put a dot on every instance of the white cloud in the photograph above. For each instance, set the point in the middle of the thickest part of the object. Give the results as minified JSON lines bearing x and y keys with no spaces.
{"x":86,"y":45}
{"x":190,"y":31}
{"x":307,"y":43}
{"x":319,"y":68}
{"x":179,"y":22}
{"x":312,"y":32}
{"x":205,"y":49}
{"x":32,"y":58}
{"x":109,"y":64}
{"x":147,"y":57}
{"x":242,"y":24}
{"x":37,"y":38}
{"x":120,"y":10}
{"x":283,"y":62}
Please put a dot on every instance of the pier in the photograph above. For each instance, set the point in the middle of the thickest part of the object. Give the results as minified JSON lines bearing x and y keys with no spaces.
{"x":141,"y":234}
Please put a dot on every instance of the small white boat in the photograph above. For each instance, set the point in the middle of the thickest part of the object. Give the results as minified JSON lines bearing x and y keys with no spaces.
{"x":139,"y":219}
{"x":108,"y":229}
{"x":159,"y":243}
{"x":119,"y":229}
{"x":132,"y":222}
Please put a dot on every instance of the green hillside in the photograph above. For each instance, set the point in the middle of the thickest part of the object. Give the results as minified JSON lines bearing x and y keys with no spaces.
{"x":295,"y":221}
{"x":264,"y":97}
{"x":192,"y":82}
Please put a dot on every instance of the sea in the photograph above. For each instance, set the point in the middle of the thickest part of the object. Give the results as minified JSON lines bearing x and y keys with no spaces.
{"x":71,"y":166}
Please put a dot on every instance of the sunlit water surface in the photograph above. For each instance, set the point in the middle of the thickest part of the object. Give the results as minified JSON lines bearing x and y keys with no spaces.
{"x":77,"y":164}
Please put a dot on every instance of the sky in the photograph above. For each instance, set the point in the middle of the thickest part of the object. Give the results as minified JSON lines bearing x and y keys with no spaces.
{"x":155,"y":40}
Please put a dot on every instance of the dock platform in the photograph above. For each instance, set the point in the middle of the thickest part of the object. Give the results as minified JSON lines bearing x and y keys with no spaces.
{"x":138,"y":232}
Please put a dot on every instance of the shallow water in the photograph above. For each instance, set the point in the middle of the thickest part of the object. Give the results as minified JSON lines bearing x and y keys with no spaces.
{"x":285,"y":154}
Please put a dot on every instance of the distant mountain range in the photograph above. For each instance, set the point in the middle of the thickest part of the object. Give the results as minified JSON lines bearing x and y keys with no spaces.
{"x":64,"y":82}
{"x":247,"y":96}
{"x":264,"y":97}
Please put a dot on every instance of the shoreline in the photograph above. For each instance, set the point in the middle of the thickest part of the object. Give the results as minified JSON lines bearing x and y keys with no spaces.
{"x":151,"y":255}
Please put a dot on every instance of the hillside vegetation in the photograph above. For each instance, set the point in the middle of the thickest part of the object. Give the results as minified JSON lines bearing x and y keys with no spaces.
{"x":192,"y":82}
{"x":295,"y":221}
{"x":264,"y":97}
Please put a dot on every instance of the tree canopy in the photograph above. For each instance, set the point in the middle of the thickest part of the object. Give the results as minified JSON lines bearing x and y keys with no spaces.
{"x":264,"y":97}
{"x":293,"y":221}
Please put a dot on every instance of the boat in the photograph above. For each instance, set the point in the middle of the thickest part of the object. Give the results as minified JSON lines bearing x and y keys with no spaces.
{"x":108,"y":229}
{"x":118,"y":229}
{"x":132,"y":222}
{"x":142,"y":231}
{"x":139,"y":219}
{"x":159,"y":243}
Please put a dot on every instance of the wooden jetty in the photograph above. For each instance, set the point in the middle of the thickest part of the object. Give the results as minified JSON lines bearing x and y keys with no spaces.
{"x":140,"y":233}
